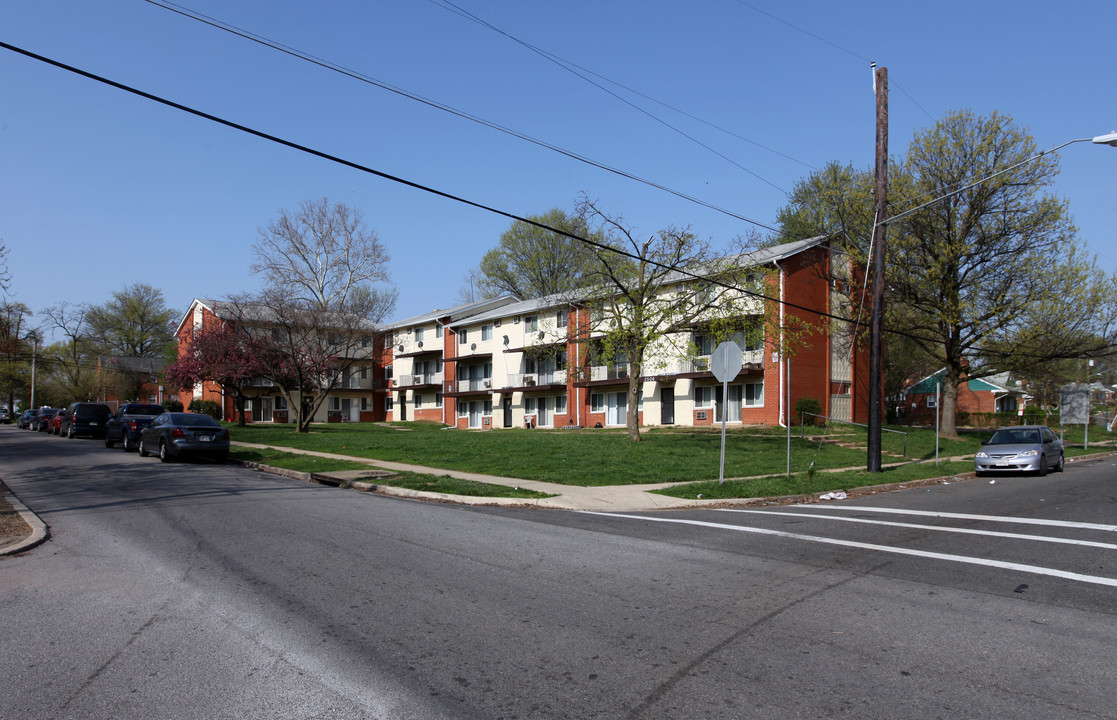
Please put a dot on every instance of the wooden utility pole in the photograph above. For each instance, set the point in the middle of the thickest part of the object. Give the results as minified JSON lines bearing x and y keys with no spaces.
{"x":876,"y":322}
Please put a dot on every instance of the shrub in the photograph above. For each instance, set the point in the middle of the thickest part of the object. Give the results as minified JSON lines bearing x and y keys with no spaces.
{"x":809,"y":405}
{"x":206,"y":407}
{"x":172,"y":405}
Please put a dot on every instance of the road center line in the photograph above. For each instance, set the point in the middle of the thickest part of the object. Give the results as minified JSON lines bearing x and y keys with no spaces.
{"x":938,"y":528}
{"x":966,"y":516}
{"x":1033,"y":569}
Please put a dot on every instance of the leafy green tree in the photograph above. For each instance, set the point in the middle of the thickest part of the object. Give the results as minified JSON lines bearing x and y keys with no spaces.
{"x":647,"y":297}
{"x":136,"y":322}
{"x":977,"y":282}
{"x":530,"y":261}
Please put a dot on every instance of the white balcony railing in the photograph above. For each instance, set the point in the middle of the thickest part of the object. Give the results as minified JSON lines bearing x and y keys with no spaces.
{"x":474,"y":385}
{"x":553,"y":377}
{"x":434,"y":378}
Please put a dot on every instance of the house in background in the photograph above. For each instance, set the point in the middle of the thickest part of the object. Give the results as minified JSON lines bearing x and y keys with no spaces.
{"x":124,"y":379}
{"x":996,"y":394}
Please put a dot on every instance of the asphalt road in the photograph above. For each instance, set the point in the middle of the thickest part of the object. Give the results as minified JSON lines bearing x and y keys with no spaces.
{"x":198,"y":590}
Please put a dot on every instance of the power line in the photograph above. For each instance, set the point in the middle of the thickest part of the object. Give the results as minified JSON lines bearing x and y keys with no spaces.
{"x":834,"y":45}
{"x":247,"y":35}
{"x":430,"y":190}
{"x":570,"y":67}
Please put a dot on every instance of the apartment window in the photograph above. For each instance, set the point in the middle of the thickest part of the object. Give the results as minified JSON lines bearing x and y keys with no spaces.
{"x":560,"y":403}
{"x":463,"y":337}
{"x":488,"y":408}
{"x":388,"y":372}
{"x":437,"y":330}
{"x":418,"y":334}
{"x":703,"y":397}
{"x":364,"y":403}
{"x":597,"y":402}
{"x":388,"y":404}
{"x":560,"y":318}
{"x":418,"y":401}
{"x":365,"y":341}
{"x":529,"y":405}
{"x":334,"y":403}
{"x":754,"y":394}
{"x":280,"y":403}
{"x":486,"y":332}
{"x":931,"y":400}
{"x":531,"y":323}
{"x":463,"y":409}
{"x":438,"y":400}
{"x":364,"y":372}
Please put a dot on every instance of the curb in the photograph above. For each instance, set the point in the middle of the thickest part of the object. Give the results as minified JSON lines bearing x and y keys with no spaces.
{"x":40,"y":533}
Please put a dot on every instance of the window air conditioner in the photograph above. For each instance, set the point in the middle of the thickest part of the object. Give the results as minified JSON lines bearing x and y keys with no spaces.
{"x":487,"y":383}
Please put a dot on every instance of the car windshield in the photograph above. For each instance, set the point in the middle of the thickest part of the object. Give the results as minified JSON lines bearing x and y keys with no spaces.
{"x":1015,"y":437}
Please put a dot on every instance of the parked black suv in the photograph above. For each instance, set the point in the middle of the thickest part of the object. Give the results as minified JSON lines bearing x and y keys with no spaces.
{"x":85,"y":418}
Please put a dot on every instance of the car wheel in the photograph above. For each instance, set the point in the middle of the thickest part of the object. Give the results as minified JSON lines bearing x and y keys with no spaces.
{"x":164,"y":455}
{"x":1042,"y":466}
{"x":70,"y":431}
{"x":143,"y":453}
{"x":1061,"y":464}
{"x":124,"y":442}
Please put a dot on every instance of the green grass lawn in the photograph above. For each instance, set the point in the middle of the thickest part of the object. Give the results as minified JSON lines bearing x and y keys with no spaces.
{"x":805,"y":483}
{"x":591,"y":457}
{"x":415,"y":481}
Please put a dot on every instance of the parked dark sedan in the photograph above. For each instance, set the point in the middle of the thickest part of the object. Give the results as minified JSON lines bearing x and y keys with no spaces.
{"x":178,"y":434}
{"x":28,"y":420}
{"x":45,"y":421}
{"x":128,"y":422}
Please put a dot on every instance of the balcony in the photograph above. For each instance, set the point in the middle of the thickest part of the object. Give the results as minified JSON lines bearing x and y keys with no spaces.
{"x":475,"y":385}
{"x":554,"y":377}
{"x":608,"y":372}
{"x":434,"y":378}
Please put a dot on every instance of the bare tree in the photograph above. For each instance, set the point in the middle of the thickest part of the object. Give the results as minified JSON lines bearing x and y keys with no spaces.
{"x":75,"y":355}
{"x":322,"y":255}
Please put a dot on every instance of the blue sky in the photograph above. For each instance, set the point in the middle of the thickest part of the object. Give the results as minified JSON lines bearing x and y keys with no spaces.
{"x":100,"y":189}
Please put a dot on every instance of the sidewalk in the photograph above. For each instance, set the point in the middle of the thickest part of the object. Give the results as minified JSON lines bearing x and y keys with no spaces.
{"x":605,"y":498}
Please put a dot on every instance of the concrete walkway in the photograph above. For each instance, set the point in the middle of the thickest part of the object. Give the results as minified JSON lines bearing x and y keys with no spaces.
{"x":606,"y":498}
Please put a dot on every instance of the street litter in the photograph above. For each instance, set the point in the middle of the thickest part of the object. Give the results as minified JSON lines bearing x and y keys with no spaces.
{"x":839,"y":495}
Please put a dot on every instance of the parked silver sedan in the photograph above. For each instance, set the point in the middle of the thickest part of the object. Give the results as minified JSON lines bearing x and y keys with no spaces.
{"x":178,"y":434}
{"x":1022,"y":448}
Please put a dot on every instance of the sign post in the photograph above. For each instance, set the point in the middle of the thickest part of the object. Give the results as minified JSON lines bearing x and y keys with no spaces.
{"x":725,"y":363}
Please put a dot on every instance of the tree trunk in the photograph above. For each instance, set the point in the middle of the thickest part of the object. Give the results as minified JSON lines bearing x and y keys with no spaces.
{"x":240,"y":408}
{"x":633,"y":416}
{"x":950,"y":381}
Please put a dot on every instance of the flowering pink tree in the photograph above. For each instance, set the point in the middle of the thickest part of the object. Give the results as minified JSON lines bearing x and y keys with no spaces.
{"x":221,"y":355}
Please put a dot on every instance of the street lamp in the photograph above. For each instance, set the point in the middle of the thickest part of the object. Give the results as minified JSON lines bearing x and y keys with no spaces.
{"x":876,"y":330}
{"x":1107,"y":139}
